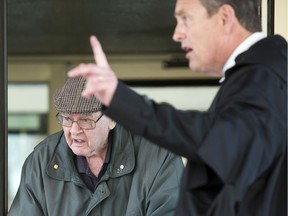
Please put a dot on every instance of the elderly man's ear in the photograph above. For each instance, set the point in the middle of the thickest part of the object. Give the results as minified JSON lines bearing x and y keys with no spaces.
{"x":112,"y":124}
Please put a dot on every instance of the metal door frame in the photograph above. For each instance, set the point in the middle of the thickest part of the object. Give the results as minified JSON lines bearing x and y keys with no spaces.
{"x":3,"y":109}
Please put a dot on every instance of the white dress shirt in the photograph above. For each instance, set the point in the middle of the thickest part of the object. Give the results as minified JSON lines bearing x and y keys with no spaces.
{"x":245,"y":45}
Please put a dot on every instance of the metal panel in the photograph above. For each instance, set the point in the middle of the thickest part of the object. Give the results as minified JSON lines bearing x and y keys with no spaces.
{"x":3,"y":109}
{"x":63,"y":27}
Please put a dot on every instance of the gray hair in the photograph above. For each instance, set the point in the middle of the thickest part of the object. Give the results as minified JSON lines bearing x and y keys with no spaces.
{"x":247,"y":11}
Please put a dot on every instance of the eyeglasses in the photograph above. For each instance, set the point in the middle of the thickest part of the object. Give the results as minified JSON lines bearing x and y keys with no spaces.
{"x":86,"y":124}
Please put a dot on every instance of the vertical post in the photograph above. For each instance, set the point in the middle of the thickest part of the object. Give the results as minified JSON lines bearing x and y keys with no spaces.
{"x":271,"y":16}
{"x":3,"y":108}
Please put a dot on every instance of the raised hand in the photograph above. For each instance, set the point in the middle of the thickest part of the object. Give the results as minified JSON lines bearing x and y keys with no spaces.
{"x":101,"y":80}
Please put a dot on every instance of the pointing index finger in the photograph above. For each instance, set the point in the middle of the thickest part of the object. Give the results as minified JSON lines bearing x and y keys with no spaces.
{"x":99,"y":55}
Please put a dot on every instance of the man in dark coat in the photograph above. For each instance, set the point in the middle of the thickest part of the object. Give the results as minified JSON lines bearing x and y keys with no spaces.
{"x":236,"y":150}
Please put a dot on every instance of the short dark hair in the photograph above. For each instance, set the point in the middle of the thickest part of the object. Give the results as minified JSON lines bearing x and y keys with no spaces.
{"x":247,"y":11}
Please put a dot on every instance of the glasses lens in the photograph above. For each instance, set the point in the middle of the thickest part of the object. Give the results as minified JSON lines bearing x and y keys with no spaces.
{"x":83,"y":123}
{"x":86,"y":123}
{"x":65,"y":121}
{"x":59,"y":118}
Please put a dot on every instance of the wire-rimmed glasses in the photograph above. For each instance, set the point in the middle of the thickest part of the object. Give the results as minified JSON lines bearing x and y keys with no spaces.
{"x":87,"y":124}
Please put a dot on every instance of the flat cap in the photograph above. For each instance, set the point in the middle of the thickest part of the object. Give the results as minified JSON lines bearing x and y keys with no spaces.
{"x":68,"y":98}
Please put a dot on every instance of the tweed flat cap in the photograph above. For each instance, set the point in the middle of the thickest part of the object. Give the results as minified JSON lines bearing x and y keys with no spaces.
{"x":68,"y":98}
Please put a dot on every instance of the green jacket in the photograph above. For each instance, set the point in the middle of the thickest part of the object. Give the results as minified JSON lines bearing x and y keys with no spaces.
{"x":141,"y":179}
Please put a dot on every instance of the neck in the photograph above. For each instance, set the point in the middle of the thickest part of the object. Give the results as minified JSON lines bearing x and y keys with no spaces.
{"x":95,"y":162}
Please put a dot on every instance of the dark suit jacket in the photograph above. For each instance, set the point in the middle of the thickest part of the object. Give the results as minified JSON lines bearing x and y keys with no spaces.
{"x":236,"y":150}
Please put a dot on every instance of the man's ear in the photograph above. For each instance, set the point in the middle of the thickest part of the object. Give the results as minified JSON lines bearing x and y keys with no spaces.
{"x":112,"y":124}
{"x":227,"y":17}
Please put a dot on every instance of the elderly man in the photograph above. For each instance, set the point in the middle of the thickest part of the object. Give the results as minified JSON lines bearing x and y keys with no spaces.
{"x":95,"y":167}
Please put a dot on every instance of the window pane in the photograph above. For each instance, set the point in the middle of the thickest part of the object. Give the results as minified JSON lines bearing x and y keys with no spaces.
{"x":27,"y":126}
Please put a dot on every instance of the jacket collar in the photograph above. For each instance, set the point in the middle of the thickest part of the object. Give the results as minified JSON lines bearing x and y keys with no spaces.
{"x":245,"y":45}
{"x":122,"y":155}
{"x":261,"y":52}
{"x":122,"y":161}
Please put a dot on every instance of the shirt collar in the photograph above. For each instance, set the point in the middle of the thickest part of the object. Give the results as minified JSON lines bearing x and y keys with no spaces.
{"x":245,"y":45}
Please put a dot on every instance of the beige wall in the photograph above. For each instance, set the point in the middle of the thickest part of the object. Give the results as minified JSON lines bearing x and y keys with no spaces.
{"x":280,"y":19}
{"x":52,"y":70}
{"x":35,"y":72}
{"x":281,"y":22}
